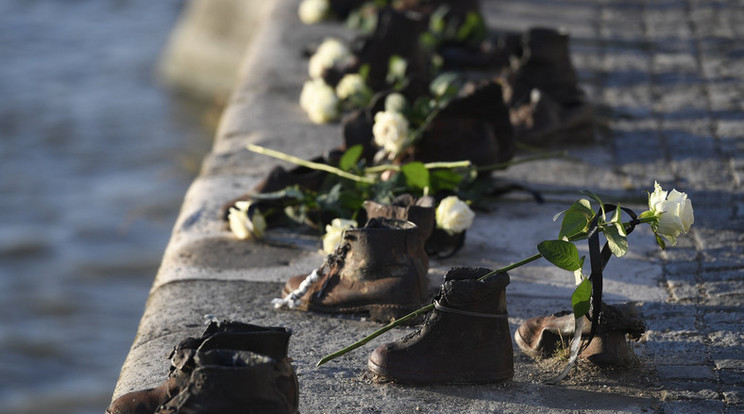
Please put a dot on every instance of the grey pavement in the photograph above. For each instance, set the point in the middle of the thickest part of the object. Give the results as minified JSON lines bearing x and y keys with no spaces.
{"x":667,"y":79}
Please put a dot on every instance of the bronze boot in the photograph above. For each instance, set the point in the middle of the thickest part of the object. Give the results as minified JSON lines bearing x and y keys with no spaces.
{"x":465,"y":338}
{"x":420,"y":212}
{"x":228,"y":381}
{"x":272,"y":341}
{"x":547,"y":336}
{"x":379,"y":269}
{"x":547,"y":105}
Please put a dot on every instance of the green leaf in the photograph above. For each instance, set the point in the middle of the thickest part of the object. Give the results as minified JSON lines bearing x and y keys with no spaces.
{"x":616,"y":220}
{"x":417,"y":176}
{"x":561,"y":253}
{"x":351,"y":157}
{"x":617,"y":242}
{"x":660,"y":241}
{"x":581,"y":297}
{"x":597,"y":199}
{"x":364,"y":72}
{"x":442,"y":180}
{"x":576,"y":219}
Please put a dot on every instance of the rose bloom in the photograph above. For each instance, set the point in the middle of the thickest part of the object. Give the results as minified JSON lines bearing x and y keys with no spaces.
{"x":243,"y":226}
{"x":351,"y":84}
{"x":454,"y":215}
{"x":335,"y":232}
{"x":674,"y":212}
{"x":329,"y":54}
{"x":313,"y":11}
{"x":390,"y":131}
{"x":319,"y":101}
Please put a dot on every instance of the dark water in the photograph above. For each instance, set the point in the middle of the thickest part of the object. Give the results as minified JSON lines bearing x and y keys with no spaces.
{"x":95,"y":158}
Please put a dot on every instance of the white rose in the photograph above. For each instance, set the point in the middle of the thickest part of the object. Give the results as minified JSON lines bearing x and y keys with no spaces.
{"x":319,"y":101}
{"x":335,"y":232}
{"x":351,"y":84}
{"x":454,"y":215}
{"x":390,"y":131}
{"x":673,"y":210}
{"x":243,"y":225}
{"x":313,"y":11}
{"x":395,"y":102}
{"x":330,"y":53}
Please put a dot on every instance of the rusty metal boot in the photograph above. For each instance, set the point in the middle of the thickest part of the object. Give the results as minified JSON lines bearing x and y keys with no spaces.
{"x":272,"y":341}
{"x":548,"y":336}
{"x":227,"y":381}
{"x":465,"y":339}
{"x":379,"y":270}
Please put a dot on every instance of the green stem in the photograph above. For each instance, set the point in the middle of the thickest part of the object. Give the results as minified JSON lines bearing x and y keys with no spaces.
{"x":503,"y":165}
{"x":309,"y":164}
{"x":413,"y":314}
{"x":375,"y":334}
{"x":428,"y":166}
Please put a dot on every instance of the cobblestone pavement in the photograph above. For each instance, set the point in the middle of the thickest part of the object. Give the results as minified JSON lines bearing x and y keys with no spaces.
{"x":667,"y":80}
{"x":668,"y":75}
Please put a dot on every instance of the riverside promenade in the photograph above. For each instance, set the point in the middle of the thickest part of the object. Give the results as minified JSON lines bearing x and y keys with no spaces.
{"x":667,"y":82}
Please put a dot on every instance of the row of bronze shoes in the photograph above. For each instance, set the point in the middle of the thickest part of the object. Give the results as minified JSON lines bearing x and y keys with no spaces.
{"x":235,"y":367}
{"x":380,"y":269}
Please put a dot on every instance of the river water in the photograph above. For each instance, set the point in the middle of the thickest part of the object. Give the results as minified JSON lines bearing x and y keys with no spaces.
{"x":95,"y":159}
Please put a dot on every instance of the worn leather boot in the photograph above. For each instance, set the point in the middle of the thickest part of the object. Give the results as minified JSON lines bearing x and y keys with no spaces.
{"x":465,"y":339}
{"x":396,"y":34}
{"x":546,"y":102}
{"x":379,"y":269}
{"x":228,"y":381}
{"x":272,"y":341}
{"x":474,"y":127}
{"x":547,"y":336}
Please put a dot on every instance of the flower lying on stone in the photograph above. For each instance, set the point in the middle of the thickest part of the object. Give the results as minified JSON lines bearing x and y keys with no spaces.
{"x":246,"y":222}
{"x":391,"y":132}
{"x":330,"y":53}
{"x":454,"y":215}
{"x":335,"y":232}
{"x":319,"y":101}
{"x":672,"y":212}
{"x":313,"y":11}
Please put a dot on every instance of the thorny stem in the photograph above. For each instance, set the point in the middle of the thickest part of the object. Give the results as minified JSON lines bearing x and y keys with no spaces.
{"x":309,"y":164}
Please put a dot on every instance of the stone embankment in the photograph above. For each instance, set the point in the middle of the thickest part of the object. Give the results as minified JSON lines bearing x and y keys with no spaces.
{"x":667,"y":81}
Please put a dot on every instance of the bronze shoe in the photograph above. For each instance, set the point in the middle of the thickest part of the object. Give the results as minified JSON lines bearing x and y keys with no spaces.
{"x":228,"y":381}
{"x":379,"y":269}
{"x":546,"y":336}
{"x":465,"y":339}
{"x":547,"y":105}
{"x":474,"y":127}
{"x":271,"y":341}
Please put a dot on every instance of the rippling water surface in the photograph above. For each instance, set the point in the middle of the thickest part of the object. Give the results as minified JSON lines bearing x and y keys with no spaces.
{"x":94,"y":161}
